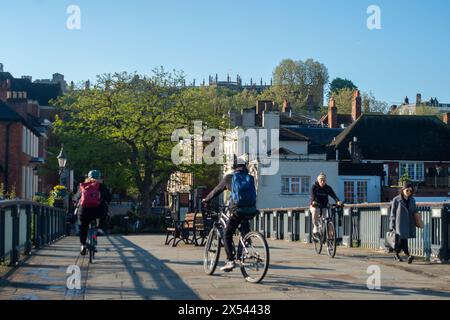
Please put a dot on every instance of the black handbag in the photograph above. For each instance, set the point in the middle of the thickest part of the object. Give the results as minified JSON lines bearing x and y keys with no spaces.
{"x":389,"y":241}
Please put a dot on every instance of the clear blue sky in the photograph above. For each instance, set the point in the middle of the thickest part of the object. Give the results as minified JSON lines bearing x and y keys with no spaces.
{"x":410,"y":54}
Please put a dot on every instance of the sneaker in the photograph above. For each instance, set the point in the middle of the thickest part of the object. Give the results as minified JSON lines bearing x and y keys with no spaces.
{"x":316,"y":236}
{"x":397,"y":258}
{"x":410,"y":259}
{"x":229,"y":266}
{"x":83,"y":250}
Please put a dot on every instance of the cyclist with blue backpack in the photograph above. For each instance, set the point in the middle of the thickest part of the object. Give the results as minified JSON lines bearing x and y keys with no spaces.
{"x":242,"y":207}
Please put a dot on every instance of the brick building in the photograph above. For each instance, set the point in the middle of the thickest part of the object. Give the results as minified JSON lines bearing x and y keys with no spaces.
{"x":25,"y":132}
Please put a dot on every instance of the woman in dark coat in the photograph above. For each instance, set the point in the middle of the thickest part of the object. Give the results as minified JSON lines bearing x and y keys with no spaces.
{"x":402,"y":220}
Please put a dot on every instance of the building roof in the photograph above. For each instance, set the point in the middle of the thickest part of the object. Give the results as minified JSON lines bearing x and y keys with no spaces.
{"x":291,"y":135}
{"x":9,"y":115}
{"x":345,"y":119}
{"x":295,"y":119}
{"x":5,"y":76}
{"x":42,"y":92}
{"x":394,"y":137}
{"x":360,"y":169}
{"x":283,"y":151}
{"x":317,"y":135}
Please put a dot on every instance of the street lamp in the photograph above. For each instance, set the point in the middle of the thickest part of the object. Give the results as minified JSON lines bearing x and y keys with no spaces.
{"x":62,"y":161}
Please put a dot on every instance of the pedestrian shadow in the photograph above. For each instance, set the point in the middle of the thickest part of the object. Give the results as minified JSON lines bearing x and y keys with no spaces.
{"x":339,"y":286}
{"x":164,"y":283}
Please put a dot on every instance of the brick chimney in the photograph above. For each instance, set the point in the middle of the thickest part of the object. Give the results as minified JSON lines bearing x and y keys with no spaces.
{"x":356,"y":105}
{"x":286,"y":106}
{"x":332,"y":114}
{"x":446,"y":118}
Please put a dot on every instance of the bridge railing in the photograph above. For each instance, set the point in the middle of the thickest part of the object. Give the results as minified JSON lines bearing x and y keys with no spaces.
{"x":25,"y":224}
{"x":363,"y":225}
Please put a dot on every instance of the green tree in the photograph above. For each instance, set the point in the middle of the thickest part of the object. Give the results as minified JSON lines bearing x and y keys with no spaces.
{"x":371,"y":105}
{"x":338,"y":84}
{"x":135,"y":116}
{"x":294,"y":80}
{"x":343,"y":99}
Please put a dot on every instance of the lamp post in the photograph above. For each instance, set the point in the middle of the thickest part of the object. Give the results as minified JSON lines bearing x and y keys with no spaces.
{"x":62,"y":161}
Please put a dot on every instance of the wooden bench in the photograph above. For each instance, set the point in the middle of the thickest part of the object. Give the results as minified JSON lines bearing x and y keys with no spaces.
{"x":191,"y":230}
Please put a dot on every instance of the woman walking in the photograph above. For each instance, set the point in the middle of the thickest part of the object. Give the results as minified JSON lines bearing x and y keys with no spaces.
{"x":402,"y":221}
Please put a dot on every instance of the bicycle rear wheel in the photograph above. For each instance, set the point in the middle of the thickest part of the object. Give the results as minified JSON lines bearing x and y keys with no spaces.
{"x":212,"y":251}
{"x":91,"y":246}
{"x":255,"y":257}
{"x":331,"y":239}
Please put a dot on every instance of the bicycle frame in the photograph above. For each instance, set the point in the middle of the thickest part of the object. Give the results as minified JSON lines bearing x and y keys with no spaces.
{"x":222,"y":224}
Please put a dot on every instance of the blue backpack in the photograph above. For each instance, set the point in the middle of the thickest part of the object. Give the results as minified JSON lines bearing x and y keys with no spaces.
{"x":243,"y":192}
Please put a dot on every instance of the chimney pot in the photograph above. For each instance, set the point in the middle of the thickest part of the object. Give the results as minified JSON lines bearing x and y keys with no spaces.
{"x":332,"y":114}
{"x":356,"y":105}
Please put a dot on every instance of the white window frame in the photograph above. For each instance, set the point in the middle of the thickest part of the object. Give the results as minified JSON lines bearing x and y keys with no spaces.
{"x":300,"y":183}
{"x":356,"y":186}
{"x":417,"y":176}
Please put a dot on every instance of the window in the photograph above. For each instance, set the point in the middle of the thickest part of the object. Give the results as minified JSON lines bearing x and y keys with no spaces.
{"x":355,"y":191}
{"x":415,"y":170}
{"x":349,"y":192}
{"x":295,"y":185}
{"x":361,"y":191}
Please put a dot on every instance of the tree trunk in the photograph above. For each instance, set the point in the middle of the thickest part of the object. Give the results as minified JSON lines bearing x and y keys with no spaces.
{"x":145,"y":203}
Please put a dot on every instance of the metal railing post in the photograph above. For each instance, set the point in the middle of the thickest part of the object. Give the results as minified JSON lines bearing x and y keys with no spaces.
{"x":274,"y":230}
{"x":446,"y":232}
{"x":29,"y":244}
{"x":15,"y":234}
{"x":2,"y":234}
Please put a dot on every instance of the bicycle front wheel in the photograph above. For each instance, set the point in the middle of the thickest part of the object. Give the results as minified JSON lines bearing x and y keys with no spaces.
{"x":331,"y":239}
{"x":255,"y":257}
{"x":211,"y":252}
{"x":318,"y":243}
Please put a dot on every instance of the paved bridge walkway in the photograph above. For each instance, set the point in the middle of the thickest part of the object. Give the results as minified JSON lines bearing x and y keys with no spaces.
{"x":141,"y":267}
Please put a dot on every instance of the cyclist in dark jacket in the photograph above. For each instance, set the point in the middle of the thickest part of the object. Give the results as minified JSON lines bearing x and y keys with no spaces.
{"x":237,"y":219}
{"x":88,"y":214}
{"x":319,"y":199}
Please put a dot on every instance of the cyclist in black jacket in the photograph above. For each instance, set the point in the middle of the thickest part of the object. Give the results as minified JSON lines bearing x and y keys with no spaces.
{"x":319,"y":200}
{"x":238,"y":218}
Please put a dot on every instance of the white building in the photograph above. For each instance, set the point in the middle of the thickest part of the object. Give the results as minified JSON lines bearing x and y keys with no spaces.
{"x":296,"y":159}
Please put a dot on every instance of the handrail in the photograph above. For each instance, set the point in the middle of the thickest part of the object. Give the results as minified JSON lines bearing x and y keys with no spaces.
{"x":362,"y":205}
{"x":26,"y":224}
{"x":362,"y":225}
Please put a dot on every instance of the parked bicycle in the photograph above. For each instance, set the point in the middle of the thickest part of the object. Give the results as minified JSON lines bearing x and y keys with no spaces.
{"x":252,"y":252}
{"x":327,"y":231}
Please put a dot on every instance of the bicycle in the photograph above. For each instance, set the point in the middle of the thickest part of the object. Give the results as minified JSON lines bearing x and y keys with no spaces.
{"x":253,"y":250}
{"x":92,"y":240}
{"x":327,"y":231}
